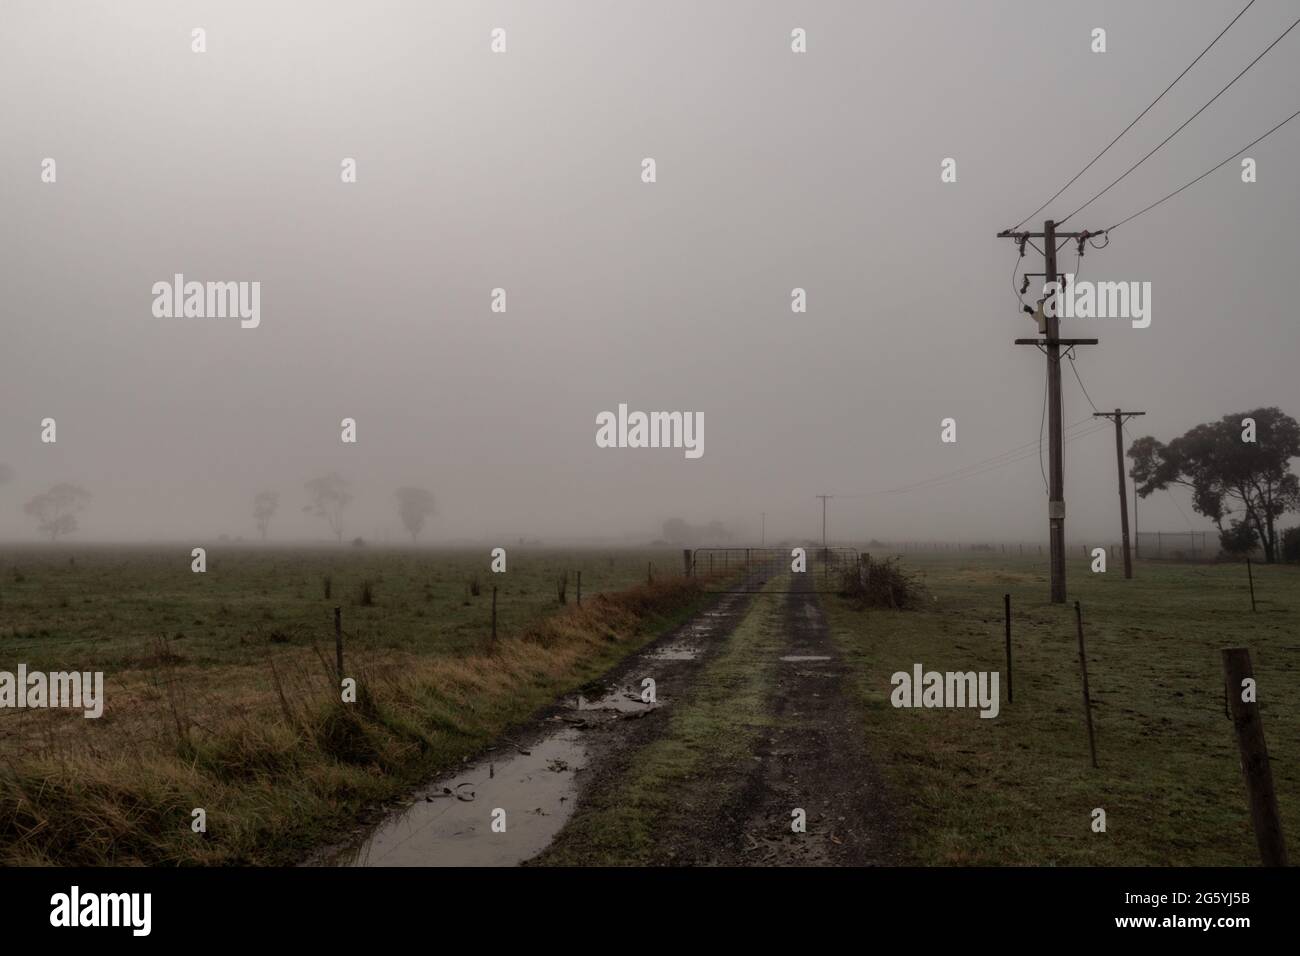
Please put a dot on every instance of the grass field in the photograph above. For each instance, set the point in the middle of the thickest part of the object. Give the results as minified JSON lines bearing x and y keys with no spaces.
{"x":219,"y":696}
{"x":1019,"y":789}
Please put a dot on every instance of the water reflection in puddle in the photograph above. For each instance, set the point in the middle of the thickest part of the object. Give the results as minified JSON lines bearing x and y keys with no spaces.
{"x":536,"y":789}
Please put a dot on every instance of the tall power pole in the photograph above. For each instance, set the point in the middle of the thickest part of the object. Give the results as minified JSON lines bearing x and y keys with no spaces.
{"x":1120,"y":417}
{"x":823,"y":498}
{"x":1051,"y":328}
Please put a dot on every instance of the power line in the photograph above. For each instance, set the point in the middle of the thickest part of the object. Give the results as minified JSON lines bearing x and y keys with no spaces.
{"x":976,"y":469}
{"x":1011,"y":456}
{"x":1204,"y":174}
{"x":1139,"y":116}
{"x":939,"y":482}
{"x":1185,"y":124}
{"x":1074,"y":368}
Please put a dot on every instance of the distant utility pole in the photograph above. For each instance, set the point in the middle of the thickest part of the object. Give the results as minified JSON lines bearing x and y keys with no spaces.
{"x":823,"y":498}
{"x":1120,"y":417}
{"x":762,"y":535}
{"x":1050,"y":326}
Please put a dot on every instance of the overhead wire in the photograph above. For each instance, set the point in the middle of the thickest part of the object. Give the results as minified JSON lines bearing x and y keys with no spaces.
{"x":1185,"y":124}
{"x":1135,"y":121}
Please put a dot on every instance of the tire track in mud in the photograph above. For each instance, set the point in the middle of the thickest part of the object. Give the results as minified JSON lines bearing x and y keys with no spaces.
{"x":770,"y":725}
{"x":816,"y":758}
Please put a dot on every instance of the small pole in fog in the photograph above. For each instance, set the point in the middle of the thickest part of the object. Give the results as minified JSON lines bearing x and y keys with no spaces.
{"x":494,"y":614}
{"x":338,"y":640}
{"x":579,"y":589}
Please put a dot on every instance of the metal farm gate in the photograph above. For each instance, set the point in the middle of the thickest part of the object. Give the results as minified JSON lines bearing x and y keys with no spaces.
{"x":749,"y":570}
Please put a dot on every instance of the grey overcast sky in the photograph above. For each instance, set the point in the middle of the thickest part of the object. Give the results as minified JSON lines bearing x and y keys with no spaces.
{"x":522,"y":170}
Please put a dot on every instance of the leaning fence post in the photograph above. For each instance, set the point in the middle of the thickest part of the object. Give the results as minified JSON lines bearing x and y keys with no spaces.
{"x":1250,"y":576}
{"x":338,"y":640}
{"x":1087,"y":700}
{"x":1006,"y":607}
{"x":1237,"y":671}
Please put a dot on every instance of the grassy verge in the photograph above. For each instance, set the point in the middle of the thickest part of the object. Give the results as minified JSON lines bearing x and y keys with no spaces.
{"x":1019,"y":789}
{"x":264,"y":746}
{"x":676,"y":784}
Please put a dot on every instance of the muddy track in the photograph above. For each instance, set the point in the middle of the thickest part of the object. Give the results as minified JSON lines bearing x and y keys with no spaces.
{"x":815,"y":758}
{"x":538,"y":773}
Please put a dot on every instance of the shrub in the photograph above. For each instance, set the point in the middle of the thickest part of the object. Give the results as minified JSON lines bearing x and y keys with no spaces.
{"x":884,"y":583}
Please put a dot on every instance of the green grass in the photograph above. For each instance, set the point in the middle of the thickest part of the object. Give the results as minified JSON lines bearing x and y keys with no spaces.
{"x":102,"y":608}
{"x":216,"y":697}
{"x":1019,"y":789}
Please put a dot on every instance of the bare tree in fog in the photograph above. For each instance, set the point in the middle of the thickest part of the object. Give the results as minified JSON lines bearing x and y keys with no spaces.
{"x":414,"y":505}
{"x":56,"y":510}
{"x":329,"y":495}
{"x":264,"y":506}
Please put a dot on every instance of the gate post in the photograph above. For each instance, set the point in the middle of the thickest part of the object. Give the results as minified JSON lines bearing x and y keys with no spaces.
{"x":686,"y":561}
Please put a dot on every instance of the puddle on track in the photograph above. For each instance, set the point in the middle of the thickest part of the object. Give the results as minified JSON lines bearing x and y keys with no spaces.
{"x":621,"y":699}
{"x":675,"y":652}
{"x":537,"y":791}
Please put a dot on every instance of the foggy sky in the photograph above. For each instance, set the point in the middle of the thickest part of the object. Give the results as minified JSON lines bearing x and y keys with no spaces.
{"x":522,"y":171}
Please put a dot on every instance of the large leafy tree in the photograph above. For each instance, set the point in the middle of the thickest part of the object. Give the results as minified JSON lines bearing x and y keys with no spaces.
{"x":1247,"y":484}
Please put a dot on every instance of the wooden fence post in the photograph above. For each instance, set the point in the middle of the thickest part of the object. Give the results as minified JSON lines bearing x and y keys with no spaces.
{"x":1087,"y":699}
{"x":579,"y":589}
{"x":1250,"y":576}
{"x":494,"y":614}
{"x":1006,"y":606}
{"x":338,"y":640}
{"x":1254,"y":757}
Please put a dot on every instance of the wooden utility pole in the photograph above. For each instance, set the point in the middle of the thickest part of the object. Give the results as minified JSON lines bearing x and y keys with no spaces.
{"x":1120,"y":417}
{"x":1050,"y":326}
{"x":1254,"y":756}
{"x":823,"y":498}
{"x":762,"y":535}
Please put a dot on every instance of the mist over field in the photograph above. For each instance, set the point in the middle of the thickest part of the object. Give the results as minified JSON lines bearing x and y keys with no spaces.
{"x":522,"y":172}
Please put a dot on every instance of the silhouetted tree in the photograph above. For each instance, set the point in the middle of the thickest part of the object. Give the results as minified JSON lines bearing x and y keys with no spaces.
{"x":56,"y":510}
{"x":1220,"y":468}
{"x":264,"y":505}
{"x":328,"y":497}
{"x":414,"y":505}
